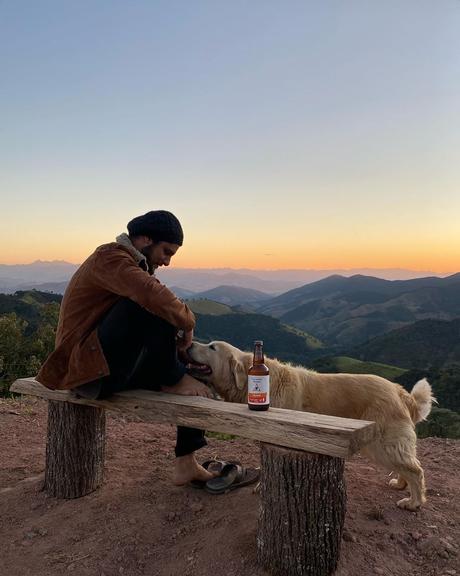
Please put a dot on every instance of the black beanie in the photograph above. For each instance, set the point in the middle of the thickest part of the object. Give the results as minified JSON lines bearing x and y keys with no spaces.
{"x":159,"y":225}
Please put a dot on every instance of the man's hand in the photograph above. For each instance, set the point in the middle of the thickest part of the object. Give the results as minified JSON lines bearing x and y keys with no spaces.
{"x":184,"y":340}
{"x":189,"y":386}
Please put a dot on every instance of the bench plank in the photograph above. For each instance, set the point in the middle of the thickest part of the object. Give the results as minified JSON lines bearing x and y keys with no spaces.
{"x":330,"y":435}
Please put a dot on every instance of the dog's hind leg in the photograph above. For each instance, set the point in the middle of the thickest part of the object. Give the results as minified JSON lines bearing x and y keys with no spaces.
{"x":398,"y":483}
{"x":400,"y":452}
{"x":413,"y":473}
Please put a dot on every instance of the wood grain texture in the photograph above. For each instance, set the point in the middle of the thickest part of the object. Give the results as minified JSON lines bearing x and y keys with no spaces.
{"x":317,"y":433}
{"x":302,"y":512}
{"x":75,"y":449}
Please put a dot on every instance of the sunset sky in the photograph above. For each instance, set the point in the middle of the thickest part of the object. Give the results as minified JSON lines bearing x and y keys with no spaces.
{"x":294,"y":134}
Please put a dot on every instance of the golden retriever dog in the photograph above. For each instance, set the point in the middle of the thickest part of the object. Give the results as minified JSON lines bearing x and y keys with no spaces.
{"x":358,"y":396}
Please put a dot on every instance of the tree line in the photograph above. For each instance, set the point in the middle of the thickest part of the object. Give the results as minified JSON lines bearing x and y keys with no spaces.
{"x":28,"y":324}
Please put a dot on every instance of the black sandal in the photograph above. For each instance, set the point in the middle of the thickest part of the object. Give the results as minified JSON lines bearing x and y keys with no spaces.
{"x":232,"y":476}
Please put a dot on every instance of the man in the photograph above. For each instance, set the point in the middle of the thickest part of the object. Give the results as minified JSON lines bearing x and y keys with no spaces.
{"x":120,"y":328}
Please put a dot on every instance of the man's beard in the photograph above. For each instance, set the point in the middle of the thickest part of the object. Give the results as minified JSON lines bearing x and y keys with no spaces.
{"x":147,"y":252}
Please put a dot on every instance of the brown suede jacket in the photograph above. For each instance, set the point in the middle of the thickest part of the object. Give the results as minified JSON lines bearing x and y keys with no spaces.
{"x":110,"y":273}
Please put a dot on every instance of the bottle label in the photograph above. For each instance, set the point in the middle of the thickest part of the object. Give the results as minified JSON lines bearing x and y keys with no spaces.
{"x":258,"y":389}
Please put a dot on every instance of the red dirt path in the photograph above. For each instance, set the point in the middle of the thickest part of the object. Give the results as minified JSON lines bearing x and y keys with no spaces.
{"x":138,"y":524}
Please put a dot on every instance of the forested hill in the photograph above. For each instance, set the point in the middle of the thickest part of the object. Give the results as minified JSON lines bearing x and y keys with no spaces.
{"x":349,"y":311}
{"x":280,"y":340}
{"x":29,"y":305}
{"x":420,"y":345}
{"x":28,"y":323}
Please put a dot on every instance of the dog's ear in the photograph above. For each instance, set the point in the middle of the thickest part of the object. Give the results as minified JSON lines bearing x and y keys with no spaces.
{"x":238,"y":373}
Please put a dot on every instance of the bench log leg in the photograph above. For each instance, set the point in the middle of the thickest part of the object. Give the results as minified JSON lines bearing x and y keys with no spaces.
{"x":303,"y":501}
{"x":75,"y":449}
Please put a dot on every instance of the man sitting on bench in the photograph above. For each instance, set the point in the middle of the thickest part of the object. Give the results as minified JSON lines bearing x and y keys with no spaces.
{"x":120,"y":328}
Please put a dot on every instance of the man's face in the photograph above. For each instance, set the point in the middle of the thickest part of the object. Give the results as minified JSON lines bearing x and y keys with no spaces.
{"x":159,"y":253}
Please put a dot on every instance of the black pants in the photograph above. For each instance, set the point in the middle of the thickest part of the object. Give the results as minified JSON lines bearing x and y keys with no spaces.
{"x":140,"y":349}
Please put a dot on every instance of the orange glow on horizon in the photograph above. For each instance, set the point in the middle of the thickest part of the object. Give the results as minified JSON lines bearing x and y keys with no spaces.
{"x":327,"y":253}
{"x":446,"y":264}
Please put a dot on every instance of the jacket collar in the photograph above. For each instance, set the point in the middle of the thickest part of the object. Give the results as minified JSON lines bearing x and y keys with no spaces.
{"x":124,"y":240}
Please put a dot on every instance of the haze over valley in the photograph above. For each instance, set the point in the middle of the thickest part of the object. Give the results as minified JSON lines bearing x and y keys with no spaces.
{"x":53,"y":276}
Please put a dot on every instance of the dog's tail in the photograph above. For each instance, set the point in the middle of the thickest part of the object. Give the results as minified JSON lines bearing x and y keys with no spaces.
{"x":423,"y":396}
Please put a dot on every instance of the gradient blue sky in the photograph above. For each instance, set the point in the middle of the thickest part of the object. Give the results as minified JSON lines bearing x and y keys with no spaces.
{"x":292,"y":134}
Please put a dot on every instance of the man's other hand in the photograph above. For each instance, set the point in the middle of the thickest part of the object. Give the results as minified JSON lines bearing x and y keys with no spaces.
{"x":184,"y":340}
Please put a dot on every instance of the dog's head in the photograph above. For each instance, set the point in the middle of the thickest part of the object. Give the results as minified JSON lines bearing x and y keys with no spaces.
{"x":222,"y":366}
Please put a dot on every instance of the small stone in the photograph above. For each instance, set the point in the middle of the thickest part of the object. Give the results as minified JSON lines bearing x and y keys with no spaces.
{"x":348,"y":536}
{"x":379,"y":570}
{"x":71,"y":567}
{"x":416,"y":535}
{"x":444,"y":554}
{"x":450,"y":572}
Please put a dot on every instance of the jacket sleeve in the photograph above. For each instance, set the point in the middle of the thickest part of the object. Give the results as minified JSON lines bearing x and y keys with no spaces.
{"x":116,"y":271}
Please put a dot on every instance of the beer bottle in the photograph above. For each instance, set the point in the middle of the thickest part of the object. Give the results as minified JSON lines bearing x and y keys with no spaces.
{"x":258,"y":380}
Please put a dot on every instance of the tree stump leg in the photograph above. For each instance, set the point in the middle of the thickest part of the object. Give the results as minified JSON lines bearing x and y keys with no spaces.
{"x":303,"y":502}
{"x":75,"y":449}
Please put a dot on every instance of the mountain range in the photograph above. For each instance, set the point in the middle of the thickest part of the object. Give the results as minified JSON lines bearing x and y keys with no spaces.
{"x":360,"y":315}
{"x":54,"y":276}
{"x":344,"y":312}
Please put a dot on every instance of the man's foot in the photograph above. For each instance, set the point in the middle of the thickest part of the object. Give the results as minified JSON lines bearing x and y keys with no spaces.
{"x":188,"y":386}
{"x":188,"y":469}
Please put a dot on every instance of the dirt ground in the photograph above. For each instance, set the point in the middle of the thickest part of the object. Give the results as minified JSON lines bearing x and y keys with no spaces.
{"x":138,"y":523}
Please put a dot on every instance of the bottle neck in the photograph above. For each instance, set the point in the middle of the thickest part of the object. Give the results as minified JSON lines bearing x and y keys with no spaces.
{"x":258,"y":355}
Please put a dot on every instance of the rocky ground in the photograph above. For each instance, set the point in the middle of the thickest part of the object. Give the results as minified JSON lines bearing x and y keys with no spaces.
{"x":138,"y":523}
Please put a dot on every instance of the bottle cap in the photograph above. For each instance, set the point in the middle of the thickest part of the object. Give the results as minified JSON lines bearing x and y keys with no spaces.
{"x":256,"y":342}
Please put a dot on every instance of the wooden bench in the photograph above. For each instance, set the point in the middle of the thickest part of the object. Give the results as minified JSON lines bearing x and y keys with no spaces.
{"x":302,"y":492}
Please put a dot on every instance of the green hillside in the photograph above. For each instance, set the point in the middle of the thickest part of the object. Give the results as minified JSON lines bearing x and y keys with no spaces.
{"x":205,"y":306}
{"x":349,"y":365}
{"x":233,"y":295}
{"x":420,"y":345}
{"x":281,"y":341}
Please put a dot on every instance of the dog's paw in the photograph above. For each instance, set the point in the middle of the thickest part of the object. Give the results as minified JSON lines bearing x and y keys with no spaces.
{"x":408,"y":504}
{"x":397,"y":483}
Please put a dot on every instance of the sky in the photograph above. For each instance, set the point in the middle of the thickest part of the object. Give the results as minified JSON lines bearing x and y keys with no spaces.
{"x":294,"y":134}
